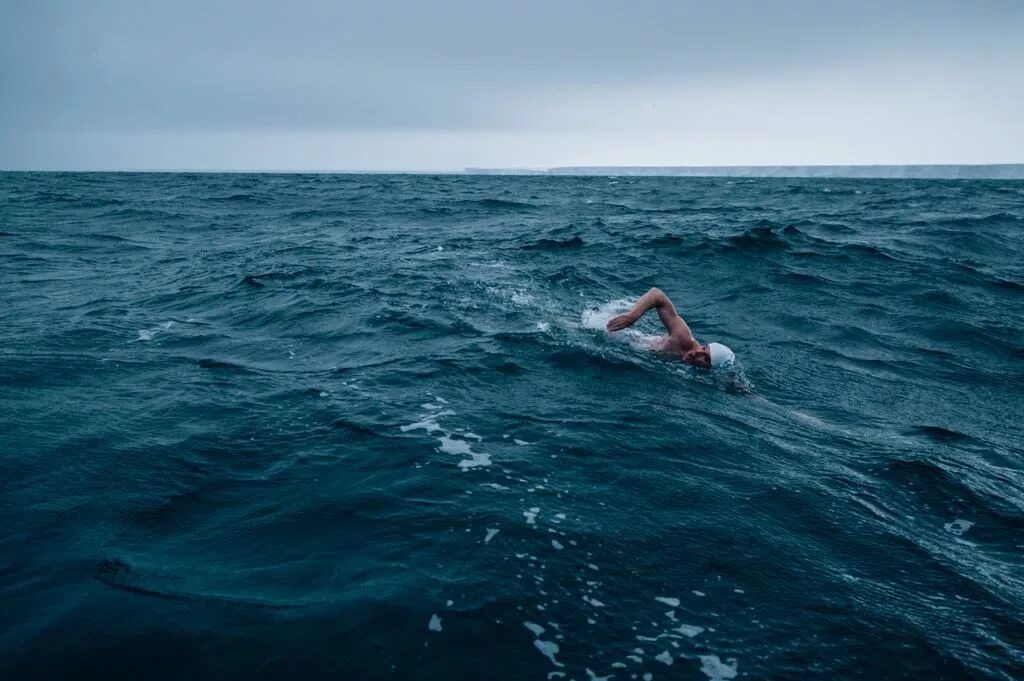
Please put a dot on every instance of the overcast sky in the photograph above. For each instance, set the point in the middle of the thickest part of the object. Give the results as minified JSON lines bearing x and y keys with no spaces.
{"x":415,"y":84}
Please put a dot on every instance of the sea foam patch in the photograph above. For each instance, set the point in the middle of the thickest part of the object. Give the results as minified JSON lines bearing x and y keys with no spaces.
{"x":148,"y":334}
{"x":548,"y":649}
{"x":597,"y":318}
{"x":958,"y":526}
{"x":716,"y":670}
{"x":453,"y":441}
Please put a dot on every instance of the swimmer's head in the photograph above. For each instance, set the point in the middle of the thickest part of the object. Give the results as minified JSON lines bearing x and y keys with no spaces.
{"x":721,"y":356}
{"x":698,"y":358}
{"x":712,"y":355}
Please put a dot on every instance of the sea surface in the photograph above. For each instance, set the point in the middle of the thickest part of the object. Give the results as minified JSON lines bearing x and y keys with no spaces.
{"x":371,"y":427}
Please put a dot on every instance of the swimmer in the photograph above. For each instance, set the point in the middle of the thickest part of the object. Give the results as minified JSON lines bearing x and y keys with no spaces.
{"x":679,"y":343}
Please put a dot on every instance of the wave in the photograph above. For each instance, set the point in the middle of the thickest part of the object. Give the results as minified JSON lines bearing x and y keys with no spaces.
{"x":939,"y":297}
{"x":211,"y":363}
{"x":762,"y":236}
{"x":578,"y":359}
{"x":972,"y":222}
{"x":131,"y":213}
{"x":554,"y":244}
{"x":939,"y":433}
{"x":804,"y":278}
{"x":1006,"y":283}
{"x":70,"y":200}
{"x":670,"y":240}
{"x":980,"y":275}
{"x":307,"y":276}
{"x":766,"y":236}
{"x":500,"y":204}
{"x":314,"y":213}
{"x":982,"y":489}
{"x":250,"y":280}
{"x":855,"y":251}
{"x":118,"y":574}
{"x":241,"y":198}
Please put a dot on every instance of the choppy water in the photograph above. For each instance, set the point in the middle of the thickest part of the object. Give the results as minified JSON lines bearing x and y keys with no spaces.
{"x":258,"y":426}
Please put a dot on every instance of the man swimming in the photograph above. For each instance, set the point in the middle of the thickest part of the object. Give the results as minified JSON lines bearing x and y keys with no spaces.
{"x":679,"y":343}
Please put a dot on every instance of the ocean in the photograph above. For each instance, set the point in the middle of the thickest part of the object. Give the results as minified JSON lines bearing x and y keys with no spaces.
{"x":371,"y":427}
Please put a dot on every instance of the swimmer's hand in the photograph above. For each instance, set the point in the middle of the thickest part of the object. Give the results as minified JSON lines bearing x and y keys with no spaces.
{"x":623,"y":321}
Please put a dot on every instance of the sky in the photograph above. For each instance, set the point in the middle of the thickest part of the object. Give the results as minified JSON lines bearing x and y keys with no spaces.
{"x":427,"y":85}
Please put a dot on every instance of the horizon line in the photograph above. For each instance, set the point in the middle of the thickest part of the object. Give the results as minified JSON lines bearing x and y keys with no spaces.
{"x":541,"y":170}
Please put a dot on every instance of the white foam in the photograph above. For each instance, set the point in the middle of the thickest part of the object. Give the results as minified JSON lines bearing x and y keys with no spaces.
{"x":595,"y":677}
{"x":670,"y":602}
{"x":435,"y":623}
{"x":517,"y":296}
{"x":665,"y":658}
{"x":648,"y":676}
{"x":521,"y":443}
{"x":479,"y":459}
{"x":450,"y":445}
{"x":557,"y":544}
{"x":429,"y":423}
{"x":548,"y":649}
{"x":807,"y":418}
{"x":456,"y":447}
{"x":698,"y":593}
{"x":543,"y":326}
{"x":715,"y":669}
{"x":593,"y":601}
{"x":634,"y":658}
{"x":535,"y":628}
{"x":689,"y":630}
{"x":146,"y":334}
{"x":490,"y":534}
{"x":958,"y":527}
{"x":597,"y":318}
{"x":531,"y":515}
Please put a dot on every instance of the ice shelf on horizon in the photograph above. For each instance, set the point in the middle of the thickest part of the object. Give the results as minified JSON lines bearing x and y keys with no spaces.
{"x":995,"y":171}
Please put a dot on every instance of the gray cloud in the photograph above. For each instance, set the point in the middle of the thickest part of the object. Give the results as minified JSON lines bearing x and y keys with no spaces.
{"x":99,"y":76}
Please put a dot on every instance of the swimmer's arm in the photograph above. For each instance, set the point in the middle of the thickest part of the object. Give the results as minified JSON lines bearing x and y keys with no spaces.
{"x":657,"y":299}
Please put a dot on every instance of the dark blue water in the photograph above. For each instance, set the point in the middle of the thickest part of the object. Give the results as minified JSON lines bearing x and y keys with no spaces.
{"x":361,"y":427}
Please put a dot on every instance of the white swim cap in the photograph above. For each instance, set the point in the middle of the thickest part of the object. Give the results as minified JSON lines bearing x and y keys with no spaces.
{"x":721,"y":356}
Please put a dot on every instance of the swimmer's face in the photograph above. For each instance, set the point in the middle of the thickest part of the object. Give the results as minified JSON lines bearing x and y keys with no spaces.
{"x":699,"y":357}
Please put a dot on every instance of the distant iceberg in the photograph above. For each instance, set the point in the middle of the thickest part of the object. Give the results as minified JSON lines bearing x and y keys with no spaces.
{"x":995,"y":171}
